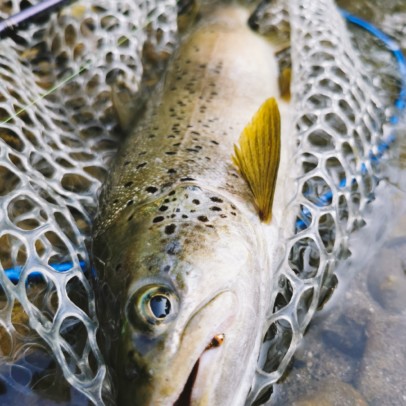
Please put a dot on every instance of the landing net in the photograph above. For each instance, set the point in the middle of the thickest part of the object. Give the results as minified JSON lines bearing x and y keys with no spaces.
{"x":346,"y":105}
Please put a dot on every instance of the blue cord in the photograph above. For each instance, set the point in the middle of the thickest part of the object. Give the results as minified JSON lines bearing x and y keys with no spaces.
{"x":14,"y":273}
{"x":305,"y":215}
{"x":392,"y":46}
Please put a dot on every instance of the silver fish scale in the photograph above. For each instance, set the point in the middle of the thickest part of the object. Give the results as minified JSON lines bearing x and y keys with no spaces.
{"x":58,"y":133}
{"x":341,"y":118}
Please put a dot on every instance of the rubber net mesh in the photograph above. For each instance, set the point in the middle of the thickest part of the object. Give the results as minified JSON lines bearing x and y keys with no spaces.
{"x":342,"y":127}
{"x":58,"y":133}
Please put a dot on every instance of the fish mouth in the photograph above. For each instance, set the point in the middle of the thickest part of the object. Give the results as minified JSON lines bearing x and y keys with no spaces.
{"x":196,"y":383}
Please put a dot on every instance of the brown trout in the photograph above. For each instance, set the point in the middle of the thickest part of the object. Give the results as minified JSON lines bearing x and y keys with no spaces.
{"x":185,"y":241}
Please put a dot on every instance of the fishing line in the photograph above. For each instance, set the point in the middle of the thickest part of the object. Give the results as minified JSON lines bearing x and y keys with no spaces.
{"x":12,"y":24}
{"x":66,"y":80}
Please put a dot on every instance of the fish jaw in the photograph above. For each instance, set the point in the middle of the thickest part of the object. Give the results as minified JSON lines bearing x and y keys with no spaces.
{"x":192,"y":368}
{"x":171,"y":377}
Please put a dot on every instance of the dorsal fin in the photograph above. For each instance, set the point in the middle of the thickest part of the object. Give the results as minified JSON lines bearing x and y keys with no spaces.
{"x":257,"y":156}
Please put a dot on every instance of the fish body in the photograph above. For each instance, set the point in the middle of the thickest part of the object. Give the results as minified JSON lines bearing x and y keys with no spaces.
{"x":184,"y":262}
{"x":197,"y":286}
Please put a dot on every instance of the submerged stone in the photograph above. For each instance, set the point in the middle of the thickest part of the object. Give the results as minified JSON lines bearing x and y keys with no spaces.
{"x":333,"y":392}
{"x":383,"y":374}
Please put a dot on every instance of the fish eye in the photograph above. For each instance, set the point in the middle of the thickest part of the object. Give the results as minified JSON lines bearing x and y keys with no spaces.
{"x":160,"y":306}
{"x":153,"y":305}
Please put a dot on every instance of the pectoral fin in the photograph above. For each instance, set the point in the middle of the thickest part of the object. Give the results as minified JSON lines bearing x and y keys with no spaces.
{"x":257,"y":156}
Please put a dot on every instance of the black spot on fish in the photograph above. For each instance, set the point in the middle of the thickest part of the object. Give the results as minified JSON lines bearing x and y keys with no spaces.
{"x":203,"y":218}
{"x":184,"y":216}
{"x":163,"y":208}
{"x":151,"y":189}
{"x":170,"y":152}
{"x":195,"y":201}
{"x":118,"y":268}
{"x":216,"y":199}
{"x":128,"y":184}
{"x":158,"y":219}
{"x":130,"y":202}
{"x":170,"y":229}
{"x":223,"y":216}
{"x":166,"y":268}
{"x":171,"y":193}
{"x":139,"y":166}
{"x":186,"y":179}
{"x":127,"y":163}
{"x":214,"y":142}
{"x":215,"y":208}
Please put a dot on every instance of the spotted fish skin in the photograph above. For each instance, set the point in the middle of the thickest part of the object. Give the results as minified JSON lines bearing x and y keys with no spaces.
{"x":187,"y":134}
{"x":176,"y":216}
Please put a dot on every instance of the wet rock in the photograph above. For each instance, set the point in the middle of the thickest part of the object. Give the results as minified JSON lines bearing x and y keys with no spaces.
{"x":332,"y":392}
{"x":387,"y":277}
{"x":383,"y":374}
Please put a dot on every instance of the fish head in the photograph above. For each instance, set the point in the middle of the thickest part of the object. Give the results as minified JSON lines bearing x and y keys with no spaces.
{"x":190,"y":284}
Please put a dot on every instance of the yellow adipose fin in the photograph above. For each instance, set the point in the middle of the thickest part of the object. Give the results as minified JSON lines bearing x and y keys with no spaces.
{"x":284,"y":83}
{"x":257,"y":156}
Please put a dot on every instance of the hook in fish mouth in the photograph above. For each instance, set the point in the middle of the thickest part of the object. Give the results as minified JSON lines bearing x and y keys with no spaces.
{"x":188,"y":394}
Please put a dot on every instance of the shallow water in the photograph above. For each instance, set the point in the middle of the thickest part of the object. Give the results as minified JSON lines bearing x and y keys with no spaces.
{"x":353,"y":352}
